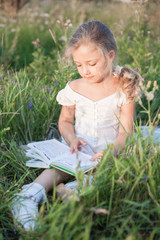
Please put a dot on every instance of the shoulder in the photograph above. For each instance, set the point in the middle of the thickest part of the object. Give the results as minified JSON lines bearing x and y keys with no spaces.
{"x":76,"y":84}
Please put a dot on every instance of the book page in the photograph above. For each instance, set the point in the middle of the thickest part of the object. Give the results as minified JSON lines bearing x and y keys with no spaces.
{"x":71,"y":161}
{"x":53,"y":152}
{"x":49,"y":149}
{"x":37,"y":163}
{"x":31,"y":153}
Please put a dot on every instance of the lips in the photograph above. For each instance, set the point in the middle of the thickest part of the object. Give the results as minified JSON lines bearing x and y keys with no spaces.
{"x":89,"y":77}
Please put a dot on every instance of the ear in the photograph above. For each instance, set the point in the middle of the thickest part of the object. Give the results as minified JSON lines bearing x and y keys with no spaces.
{"x":112,"y":55}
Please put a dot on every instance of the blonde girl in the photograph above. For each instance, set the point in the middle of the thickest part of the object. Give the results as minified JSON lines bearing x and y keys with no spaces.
{"x":93,"y":107}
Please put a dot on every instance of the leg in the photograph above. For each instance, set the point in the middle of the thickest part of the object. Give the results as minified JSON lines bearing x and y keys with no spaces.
{"x":50,"y":177}
{"x":25,"y":205}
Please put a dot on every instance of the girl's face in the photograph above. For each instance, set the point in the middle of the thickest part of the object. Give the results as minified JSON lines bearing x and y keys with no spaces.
{"x":92,"y":65}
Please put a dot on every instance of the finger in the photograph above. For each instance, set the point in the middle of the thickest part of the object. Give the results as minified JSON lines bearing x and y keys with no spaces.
{"x":101,"y":153}
{"x":71,"y":150}
{"x":82,"y":142}
{"x":95,"y":156}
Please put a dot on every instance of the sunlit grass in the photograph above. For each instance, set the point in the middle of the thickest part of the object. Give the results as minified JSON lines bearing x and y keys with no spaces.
{"x":123,"y":202}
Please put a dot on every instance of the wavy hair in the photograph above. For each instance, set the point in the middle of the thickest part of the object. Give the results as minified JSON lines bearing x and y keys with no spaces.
{"x":98,"y":33}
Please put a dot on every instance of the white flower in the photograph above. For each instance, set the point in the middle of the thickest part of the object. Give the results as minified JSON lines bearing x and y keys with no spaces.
{"x":70,"y":25}
{"x":63,"y":38}
{"x":68,"y":21}
{"x":149,"y":96}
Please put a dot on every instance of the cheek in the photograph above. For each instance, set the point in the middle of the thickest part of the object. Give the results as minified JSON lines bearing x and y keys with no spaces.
{"x":79,"y":71}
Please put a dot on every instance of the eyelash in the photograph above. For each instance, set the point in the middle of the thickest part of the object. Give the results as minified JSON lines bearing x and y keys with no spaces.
{"x":89,"y":65}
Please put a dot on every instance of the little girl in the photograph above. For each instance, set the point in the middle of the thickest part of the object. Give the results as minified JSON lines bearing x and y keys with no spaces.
{"x":97,"y":110}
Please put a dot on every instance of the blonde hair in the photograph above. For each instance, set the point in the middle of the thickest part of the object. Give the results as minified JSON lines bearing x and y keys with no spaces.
{"x":130,"y":82}
{"x":98,"y":33}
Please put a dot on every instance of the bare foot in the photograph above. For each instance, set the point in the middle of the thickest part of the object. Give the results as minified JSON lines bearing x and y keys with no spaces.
{"x":64,"y":193}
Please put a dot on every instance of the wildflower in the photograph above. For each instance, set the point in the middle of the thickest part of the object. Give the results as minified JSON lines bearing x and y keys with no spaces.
{"x":56,"y":83}
{"x":149,"y":84}
{"x":63,"y":39}
{"x":68,"y":21}
{"x":20,"y":123}
{"x":30,"y":105}
{"x":116,"y":153}
{"x":36,"y":43}
{"x":155,"y":83}
{"x":58,"y":21}
{"x":1,"y":78}
{"x":11,"y":79}
{"x":46,"y":87}
{"x":149,"y":96}
{"x":149,"y":32}
{"x":119,"y":181}
{"x":6,"y":234}
{"x":70,"y":25}
{"x":13,"y":30}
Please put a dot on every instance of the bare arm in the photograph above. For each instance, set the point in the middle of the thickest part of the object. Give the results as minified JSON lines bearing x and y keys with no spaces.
{"x":65,"y":123}
{"x":126,"y":125}
{"x":66,"y":128}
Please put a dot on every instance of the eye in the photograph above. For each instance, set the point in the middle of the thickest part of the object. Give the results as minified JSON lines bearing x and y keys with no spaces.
{"x":78,"y":66}
{"x":92,"y":64}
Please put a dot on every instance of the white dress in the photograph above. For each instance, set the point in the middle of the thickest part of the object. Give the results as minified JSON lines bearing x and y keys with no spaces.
{"x":96,"y":122}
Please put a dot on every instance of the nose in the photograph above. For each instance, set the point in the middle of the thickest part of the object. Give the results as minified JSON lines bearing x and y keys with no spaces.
{"x":85,"y":70}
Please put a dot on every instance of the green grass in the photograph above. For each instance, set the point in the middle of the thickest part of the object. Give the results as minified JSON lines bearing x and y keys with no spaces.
{"x":124,"y":200}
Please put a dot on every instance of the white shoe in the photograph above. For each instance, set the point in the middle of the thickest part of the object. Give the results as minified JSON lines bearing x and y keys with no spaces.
{"x":24,"y":206}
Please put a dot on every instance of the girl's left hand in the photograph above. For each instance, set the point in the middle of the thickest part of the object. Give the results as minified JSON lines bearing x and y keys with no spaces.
{"x":97,"y":155}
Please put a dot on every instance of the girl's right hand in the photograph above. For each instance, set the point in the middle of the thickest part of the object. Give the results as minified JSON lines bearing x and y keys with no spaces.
{"x":75,"y":144}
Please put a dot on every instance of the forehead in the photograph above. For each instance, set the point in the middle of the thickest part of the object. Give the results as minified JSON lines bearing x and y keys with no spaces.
{"x":86,"y":52}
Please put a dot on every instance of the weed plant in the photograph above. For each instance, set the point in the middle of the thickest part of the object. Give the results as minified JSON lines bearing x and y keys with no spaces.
{"x":123,"y":201}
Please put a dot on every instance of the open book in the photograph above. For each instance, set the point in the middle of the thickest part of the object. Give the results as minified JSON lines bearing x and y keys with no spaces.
{"x":52,"y":153}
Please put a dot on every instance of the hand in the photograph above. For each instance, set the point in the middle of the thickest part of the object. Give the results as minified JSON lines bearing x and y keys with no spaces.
{"x":97,"y":155}
{"x":75,"y":144}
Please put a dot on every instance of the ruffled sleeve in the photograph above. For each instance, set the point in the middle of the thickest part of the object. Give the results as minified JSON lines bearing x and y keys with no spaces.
{"x":66,"y":97}
{"x":123,"y":99}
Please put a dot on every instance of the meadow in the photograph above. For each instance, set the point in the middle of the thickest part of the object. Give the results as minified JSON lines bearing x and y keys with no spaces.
{"x":124,"y":200}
